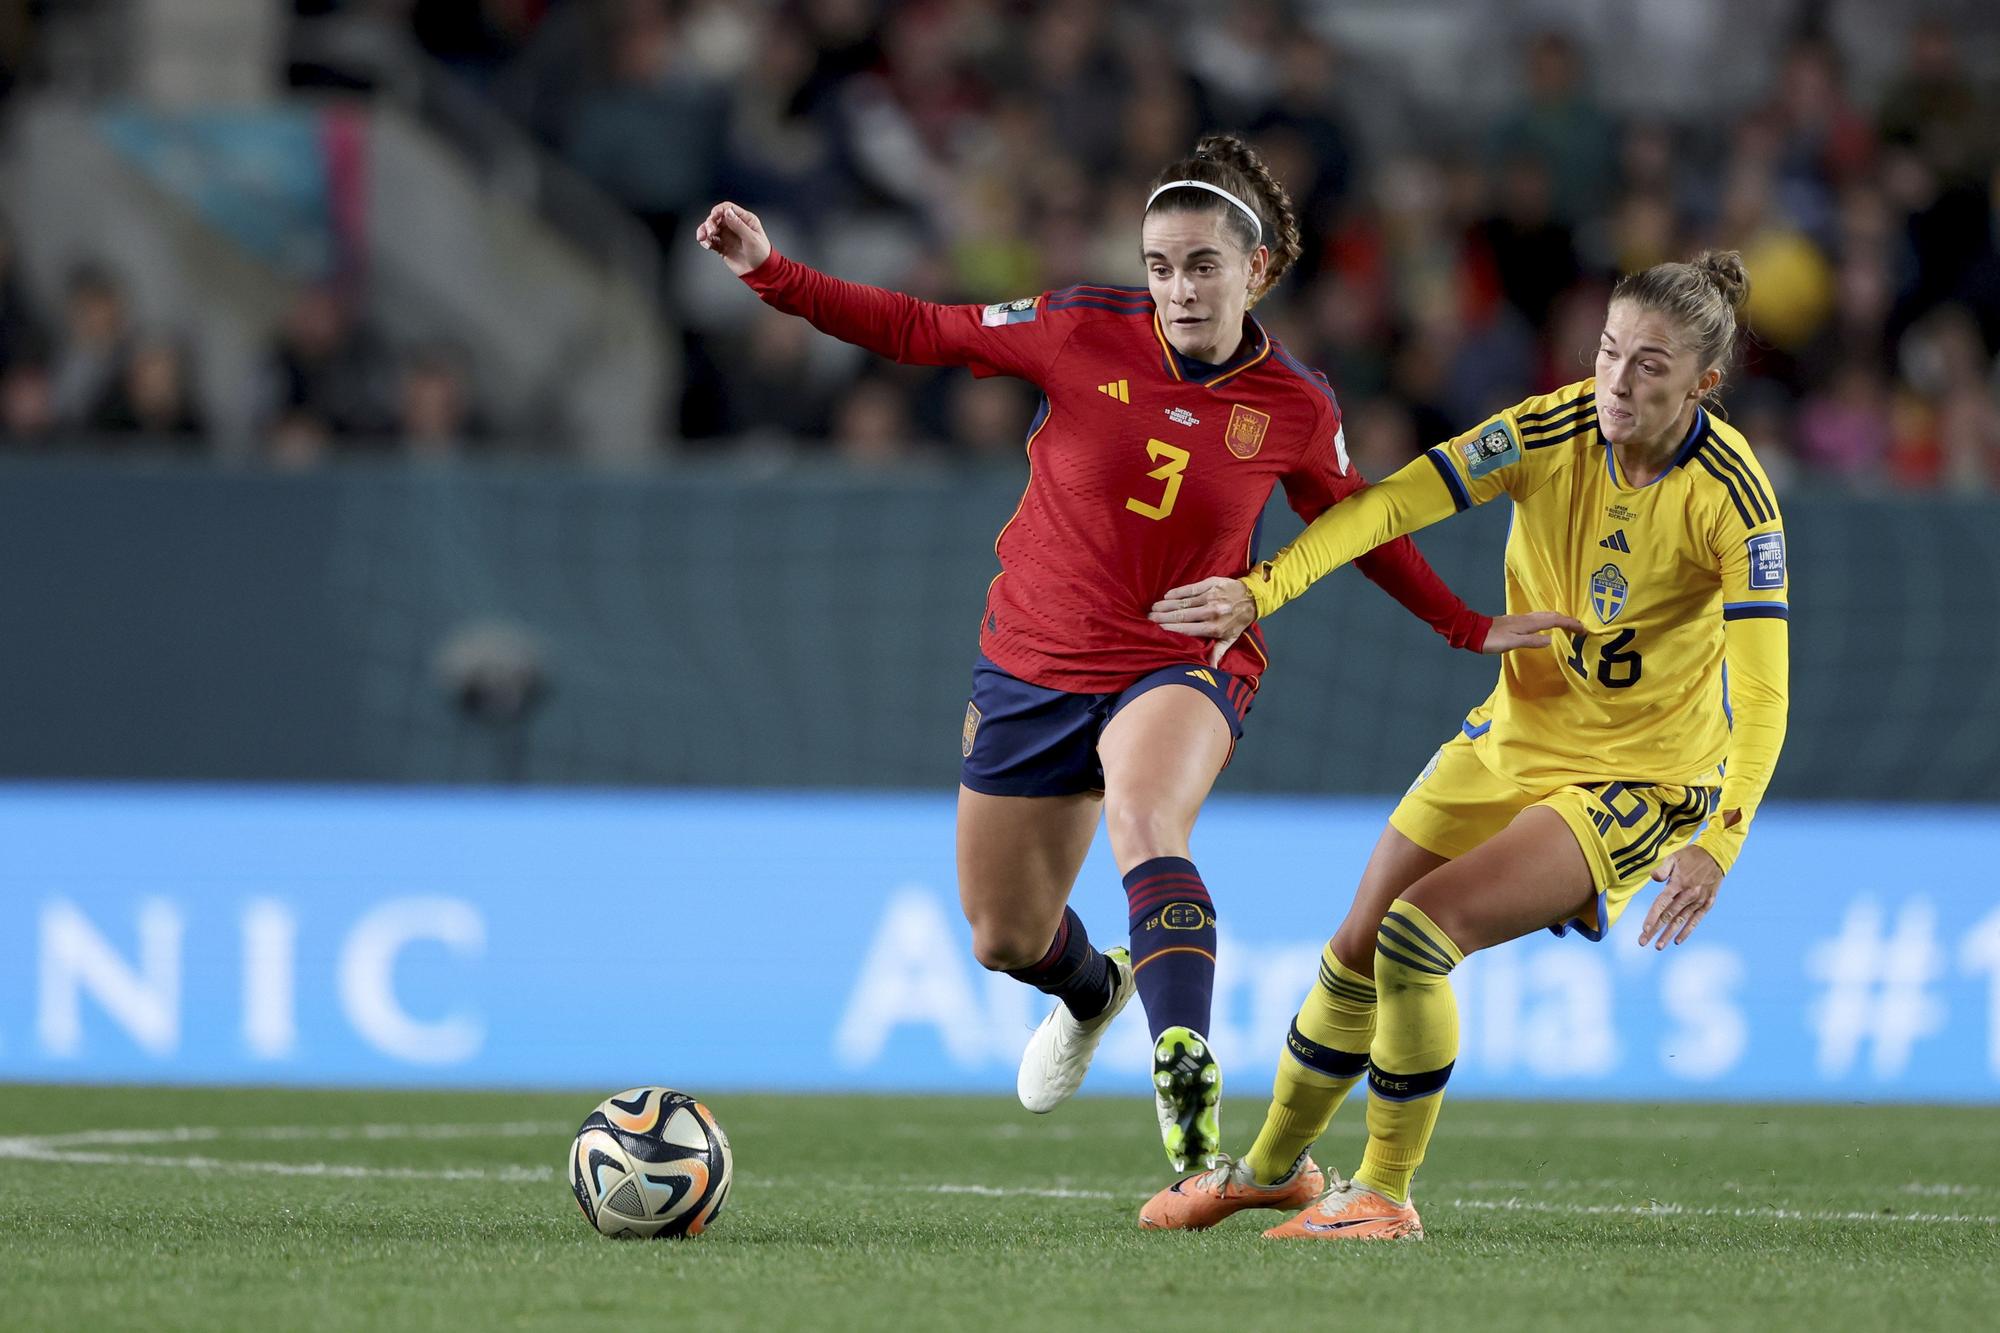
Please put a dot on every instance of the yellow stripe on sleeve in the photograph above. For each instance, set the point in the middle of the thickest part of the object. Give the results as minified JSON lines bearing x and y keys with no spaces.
{"x":1414,"y":497}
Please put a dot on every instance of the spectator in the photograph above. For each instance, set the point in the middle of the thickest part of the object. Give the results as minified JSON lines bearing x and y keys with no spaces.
{"x":1821,"y":143}
{"x":1844,"y":432}
{"x":19,"y":334}
{"x":1381,"y":436}
{"x":1533,"y":252}
{"x":1561,"y":126}
{"x":986,"y":416}
{"x":1933,"y":110}
{"x":436,"y":419}
{"x":328,"y":368}
{"x":773,"y":389}
{"x":27,"y":402}
{"x":650,"y":132}
{"x":152,"y":398}
{"x":872,"y":425}
{"x":475,"y":37}
{"x":1791,"y":285}
{"x":298,"y":441}
{"x":91,"y":351}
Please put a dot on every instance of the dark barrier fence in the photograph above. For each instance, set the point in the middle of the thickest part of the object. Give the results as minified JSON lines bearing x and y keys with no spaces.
{"x":713,"y":628}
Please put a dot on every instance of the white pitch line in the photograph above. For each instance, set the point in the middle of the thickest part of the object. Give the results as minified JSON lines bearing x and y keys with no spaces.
{"x":16,"y":1151}
{"x":330,"y":1133}
{"x":1666,"y":1210}
{"x":62,"y":1149}
{"x":1009,"y":1192}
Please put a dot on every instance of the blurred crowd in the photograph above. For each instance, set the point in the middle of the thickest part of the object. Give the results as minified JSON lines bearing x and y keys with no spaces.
{"x":982,"y":150}
{"x":84,"y":376}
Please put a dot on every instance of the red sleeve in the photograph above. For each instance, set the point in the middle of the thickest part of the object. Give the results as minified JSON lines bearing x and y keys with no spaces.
{"x":1325,"y":478}
{"x":1017,"y":339}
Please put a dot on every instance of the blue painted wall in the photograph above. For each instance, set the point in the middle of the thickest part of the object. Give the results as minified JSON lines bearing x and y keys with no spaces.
{"x":730,"y":941}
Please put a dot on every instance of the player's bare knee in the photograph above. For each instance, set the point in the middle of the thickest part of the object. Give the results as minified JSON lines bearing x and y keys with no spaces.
{"x":1141,"y":832}
{"x":998,"y":949}
{"x":1354,"y":945}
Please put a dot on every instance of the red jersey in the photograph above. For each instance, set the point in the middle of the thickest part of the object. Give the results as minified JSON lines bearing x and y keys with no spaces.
{"x":1146,"y":470}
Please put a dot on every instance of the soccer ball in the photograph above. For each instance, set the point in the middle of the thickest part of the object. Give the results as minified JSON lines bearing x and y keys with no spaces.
{"x":650,"y":1162}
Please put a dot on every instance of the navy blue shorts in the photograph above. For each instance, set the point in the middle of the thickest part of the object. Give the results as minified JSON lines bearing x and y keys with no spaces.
{"x":1023,"y":740}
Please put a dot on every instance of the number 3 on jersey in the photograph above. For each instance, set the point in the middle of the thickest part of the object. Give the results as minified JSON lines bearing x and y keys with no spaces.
{"x":1170,"y":472}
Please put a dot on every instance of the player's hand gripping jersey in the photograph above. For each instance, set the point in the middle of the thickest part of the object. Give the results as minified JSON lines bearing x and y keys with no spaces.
{"x":1146,"y":469}
{"x":1682,"y":677}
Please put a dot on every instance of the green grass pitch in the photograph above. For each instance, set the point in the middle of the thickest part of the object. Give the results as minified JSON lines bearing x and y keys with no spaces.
{"x":261,"y":1209}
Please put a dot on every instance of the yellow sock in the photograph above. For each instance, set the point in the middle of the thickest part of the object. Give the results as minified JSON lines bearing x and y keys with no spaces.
{"x":1416,"y":1044}
{"x":1326,"y":1052}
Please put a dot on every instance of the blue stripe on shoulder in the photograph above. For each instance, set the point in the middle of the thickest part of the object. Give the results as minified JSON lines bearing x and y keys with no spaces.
{"x":1107,"y":293}
{"x":1303,"y":371}
{"x":1090,"y":303}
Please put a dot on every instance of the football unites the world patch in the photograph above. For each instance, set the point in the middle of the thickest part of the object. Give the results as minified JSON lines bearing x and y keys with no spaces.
{"x":1009,"y":312}
{"x":1245,"y":433}
{"x":1492,"y":449}
{"x":1767,"y":560}
{"x":1608,"y":591}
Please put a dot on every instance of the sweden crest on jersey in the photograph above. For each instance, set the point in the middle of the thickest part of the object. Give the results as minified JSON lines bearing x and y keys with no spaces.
{"x":1608,"y":589}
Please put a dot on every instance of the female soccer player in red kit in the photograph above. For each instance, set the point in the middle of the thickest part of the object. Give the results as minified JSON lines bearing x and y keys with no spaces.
{"x":1167,"y":416}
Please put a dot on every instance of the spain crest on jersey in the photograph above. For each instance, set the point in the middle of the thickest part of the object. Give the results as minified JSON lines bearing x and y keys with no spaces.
{"x":1245,"y":435}
{"x":1608,"y":589}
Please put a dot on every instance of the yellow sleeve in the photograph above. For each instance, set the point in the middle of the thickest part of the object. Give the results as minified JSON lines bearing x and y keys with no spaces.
{"x":1756,"y":651}
{"x":1413,"y":498}
{"x":1511,"y":453}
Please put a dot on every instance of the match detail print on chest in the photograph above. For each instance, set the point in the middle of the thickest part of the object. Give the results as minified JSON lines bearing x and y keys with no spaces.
{"x":1175,"y":436}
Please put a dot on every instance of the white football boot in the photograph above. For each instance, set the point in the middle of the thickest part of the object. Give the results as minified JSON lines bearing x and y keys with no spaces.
{"x":1058,"y":1055}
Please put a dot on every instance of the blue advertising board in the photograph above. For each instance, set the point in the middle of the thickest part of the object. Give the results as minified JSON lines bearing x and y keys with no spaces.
{"x":812,"y":941}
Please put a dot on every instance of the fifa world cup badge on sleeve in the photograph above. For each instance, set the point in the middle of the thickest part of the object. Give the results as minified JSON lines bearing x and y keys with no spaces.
{"x":1008,"y":312}
{"x":1767,"y":560}
{"x":1245,"y":435}
{"x":1494,"y":448}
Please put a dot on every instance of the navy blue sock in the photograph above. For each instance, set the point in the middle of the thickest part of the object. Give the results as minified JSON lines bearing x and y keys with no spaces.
{"x":1173,"y":943}
{"x":1071,"y":970}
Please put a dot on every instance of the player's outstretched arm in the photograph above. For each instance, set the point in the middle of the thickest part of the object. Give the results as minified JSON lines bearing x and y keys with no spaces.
{"x":736,"y":236}
{"x":1222,"y":608}
{"x":1015,"y":339}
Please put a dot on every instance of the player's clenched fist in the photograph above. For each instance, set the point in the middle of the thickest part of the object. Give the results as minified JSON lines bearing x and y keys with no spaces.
{"x":735,"y":234}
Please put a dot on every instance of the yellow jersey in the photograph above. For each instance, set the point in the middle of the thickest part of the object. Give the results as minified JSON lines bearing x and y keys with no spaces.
{"x":1682,"y":675}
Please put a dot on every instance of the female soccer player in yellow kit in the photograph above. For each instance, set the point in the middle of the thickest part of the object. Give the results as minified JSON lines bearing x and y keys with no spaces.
{"x":1590,"y":767}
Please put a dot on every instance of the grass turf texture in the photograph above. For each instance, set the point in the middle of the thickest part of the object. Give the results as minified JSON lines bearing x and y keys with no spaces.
{"x":370,"y":1210}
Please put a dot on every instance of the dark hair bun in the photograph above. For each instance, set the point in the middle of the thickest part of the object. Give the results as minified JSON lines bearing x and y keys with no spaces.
{"x":1725,"y":269}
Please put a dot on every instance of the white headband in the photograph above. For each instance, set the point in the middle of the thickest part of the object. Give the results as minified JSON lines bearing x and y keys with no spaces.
{"x":1248,"y":211}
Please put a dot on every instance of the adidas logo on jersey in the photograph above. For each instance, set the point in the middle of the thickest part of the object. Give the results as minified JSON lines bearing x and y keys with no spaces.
{"x":1616,"y":542}
{"x":1117,"y":390}
{"x":1204,"y":676}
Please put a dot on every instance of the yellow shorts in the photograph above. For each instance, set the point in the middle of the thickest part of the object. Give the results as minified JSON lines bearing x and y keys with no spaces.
{"x":1625,"y":829}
